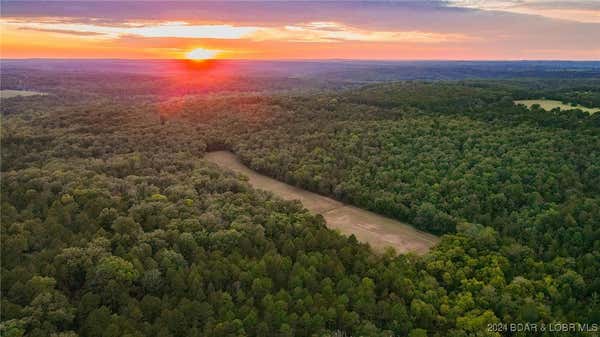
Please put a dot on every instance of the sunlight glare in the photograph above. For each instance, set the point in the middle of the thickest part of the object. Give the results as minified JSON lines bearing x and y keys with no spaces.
{"x":200,"y":54}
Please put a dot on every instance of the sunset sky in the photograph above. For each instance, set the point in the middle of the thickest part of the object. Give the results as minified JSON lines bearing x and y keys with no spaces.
{"x":455,"y":29}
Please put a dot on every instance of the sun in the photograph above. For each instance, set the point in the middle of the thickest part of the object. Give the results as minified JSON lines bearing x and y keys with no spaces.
{"x":201,"y":54}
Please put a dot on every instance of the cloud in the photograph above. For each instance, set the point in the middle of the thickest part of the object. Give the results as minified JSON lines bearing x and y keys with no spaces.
{"x":312,"y":32}
{"x":62,"y":31}
{"x":464,"y":29}
{"x":578,"y":11}
{"x":161,"y":29}
{"x":322,"y":32}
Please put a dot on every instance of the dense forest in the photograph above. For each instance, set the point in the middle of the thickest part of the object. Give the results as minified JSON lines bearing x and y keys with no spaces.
{"x":113,"y":225}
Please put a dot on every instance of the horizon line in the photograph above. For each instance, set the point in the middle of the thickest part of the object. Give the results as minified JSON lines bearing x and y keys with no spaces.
{"x":291,"y":60}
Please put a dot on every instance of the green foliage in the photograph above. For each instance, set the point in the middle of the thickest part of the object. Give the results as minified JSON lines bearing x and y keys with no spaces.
{"x":112,"y":225}
{"x":115,"y":268}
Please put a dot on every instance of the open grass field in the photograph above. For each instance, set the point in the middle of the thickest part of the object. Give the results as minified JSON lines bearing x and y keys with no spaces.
{"x":15,"y":93}
{"x":549,"y":104}
{"x":380,"y":232}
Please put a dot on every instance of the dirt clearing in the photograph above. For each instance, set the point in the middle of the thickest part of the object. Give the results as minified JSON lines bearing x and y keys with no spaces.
{"x":377,"y":230}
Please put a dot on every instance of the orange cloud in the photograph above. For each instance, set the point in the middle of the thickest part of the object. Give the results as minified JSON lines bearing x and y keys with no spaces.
{"x":160,"y":29}
{"x":308,"y":32}
{"x":336,"y":32}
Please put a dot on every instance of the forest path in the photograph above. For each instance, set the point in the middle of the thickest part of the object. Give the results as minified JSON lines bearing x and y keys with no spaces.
{"x":377,"y":230}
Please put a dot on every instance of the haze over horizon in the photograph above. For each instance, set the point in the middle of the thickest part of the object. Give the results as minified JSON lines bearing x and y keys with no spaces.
{"x":302,"y":30}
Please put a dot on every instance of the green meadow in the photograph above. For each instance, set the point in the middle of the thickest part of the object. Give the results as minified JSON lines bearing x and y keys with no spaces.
{"x":549,"y":104}
{"x":15,"y":93}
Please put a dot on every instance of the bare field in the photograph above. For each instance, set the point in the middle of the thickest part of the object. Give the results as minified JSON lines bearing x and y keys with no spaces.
{"x":15,"y":93}
{"x":549,"y":104}
{"x":380,"y":232}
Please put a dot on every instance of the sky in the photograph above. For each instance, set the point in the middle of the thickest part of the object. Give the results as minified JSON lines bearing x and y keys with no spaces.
{"x":374,"y":30}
